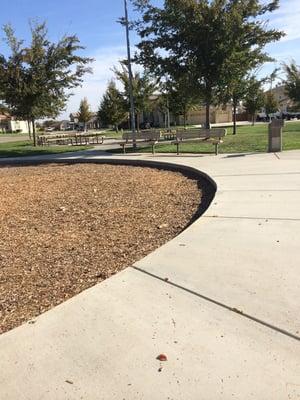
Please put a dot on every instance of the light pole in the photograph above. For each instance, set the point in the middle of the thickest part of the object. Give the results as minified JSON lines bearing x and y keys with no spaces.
{"x":132,"y":112}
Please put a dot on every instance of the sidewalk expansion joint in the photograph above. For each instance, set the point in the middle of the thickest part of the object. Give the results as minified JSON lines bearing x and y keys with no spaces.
{"x":253,"y":174}
{"x":258,"y":190}
{"x":222,"y":305}
{"x":252,"y":218}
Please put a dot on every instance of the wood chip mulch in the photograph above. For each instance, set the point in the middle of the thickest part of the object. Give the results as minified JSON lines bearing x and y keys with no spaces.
{"x":64,"y":228}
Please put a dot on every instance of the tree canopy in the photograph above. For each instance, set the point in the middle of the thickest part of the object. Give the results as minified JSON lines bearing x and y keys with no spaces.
{"x":292,"y":83}
{"x":143,"y":87}
{"x":182,"y":96}
{"x":35,"y":80}
{"x":255,"y":97}
{"x":216,"y":42}
{"x":112,"y":110}
{"x":84,"y":112}
{"x":271,"y":104}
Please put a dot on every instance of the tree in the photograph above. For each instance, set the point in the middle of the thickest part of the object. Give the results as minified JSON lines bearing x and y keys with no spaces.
{"x":255,"y":97}
{"x":273,"y":76}
{"x":112,"y":110}
{"x":271,"y":104}
{"x":84,"y":113}
{"x":162,"y":104}
{"x":35,"y":80}
{"x":143,"y":88}
{"x":206,"y":39}
{"x":48,"y":123}
{"x":182,"y":97}
{"x":292,"y":83}
{"x":234,"y":92}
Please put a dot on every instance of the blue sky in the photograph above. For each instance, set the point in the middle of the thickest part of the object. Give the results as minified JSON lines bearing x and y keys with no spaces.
{"x":94,"y":21}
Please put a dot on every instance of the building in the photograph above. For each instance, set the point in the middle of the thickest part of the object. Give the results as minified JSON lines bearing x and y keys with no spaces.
{"x":196,"y":116}
{"x":218,"y":115}
{"x":93,"y":123}
{"x":62,"y":125}
{"x":9,"y":124}
{"x":284,"y":102}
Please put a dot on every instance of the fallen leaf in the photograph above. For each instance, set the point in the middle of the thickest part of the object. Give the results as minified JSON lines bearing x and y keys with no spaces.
{"x":162,"y":358}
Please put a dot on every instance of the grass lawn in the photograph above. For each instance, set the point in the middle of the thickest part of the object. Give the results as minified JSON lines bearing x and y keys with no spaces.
{"x":116,"y":135}
{"x":248,"y":139}
{"x":20,"y":149}
{"x":112,"y":133}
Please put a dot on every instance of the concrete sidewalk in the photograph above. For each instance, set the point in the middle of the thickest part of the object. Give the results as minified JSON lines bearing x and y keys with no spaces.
{"x":227,"y":318}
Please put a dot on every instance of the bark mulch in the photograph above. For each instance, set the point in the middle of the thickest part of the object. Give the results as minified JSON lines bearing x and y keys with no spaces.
{"x":64,"y":228}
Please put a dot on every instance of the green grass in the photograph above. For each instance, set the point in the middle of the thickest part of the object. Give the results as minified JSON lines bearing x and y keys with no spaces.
{"x":118,"y":135}
{"x":112,"y":134}
{"x":248,"y":139}
{"x":21,"y":149}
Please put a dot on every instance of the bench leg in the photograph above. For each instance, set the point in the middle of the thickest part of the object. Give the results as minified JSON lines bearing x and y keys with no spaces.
{"x":124,"y":150}
{"x":217,"y":149}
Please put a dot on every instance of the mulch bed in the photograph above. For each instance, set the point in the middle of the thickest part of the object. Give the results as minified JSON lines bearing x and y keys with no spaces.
{"x":64,"y":228}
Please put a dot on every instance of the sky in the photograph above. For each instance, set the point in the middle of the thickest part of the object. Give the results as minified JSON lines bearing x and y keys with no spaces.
{"x":95,"y":23}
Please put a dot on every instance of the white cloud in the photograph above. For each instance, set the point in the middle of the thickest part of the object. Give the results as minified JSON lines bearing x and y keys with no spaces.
{"x":287,"y":18}
{"x":95,"y":84}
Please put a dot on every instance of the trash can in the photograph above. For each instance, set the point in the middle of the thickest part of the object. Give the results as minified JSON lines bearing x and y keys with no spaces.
{"x":275,"y":135}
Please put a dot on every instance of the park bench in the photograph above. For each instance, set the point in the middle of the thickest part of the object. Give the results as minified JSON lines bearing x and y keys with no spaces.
{"x":87,"y":138}
{"x":169,"y":134}
{"x":46,"y":140}
{"x":149,"y":137}
{"x":213,"y":136}
{"x":71,"y":139}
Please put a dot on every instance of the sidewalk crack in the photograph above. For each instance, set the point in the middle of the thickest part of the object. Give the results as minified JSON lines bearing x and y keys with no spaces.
{"x":223,"y":305}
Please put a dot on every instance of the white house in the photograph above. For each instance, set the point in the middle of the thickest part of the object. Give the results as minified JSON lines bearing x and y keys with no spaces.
{"x":11,"y":125}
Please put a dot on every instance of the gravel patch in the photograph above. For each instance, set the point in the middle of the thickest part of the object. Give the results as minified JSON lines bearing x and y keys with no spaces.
{"x":65,"y":228}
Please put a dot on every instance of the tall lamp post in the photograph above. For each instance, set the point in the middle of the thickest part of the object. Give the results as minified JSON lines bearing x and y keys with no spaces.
{"x":132,"y":111}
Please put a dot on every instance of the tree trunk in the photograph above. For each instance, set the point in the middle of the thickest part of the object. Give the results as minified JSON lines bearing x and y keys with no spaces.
{"x":207,"y":121}
{"x":29,"y":129}
{"x":253,"y":119}
{"x":234,"y":118}
{"x":168,"y":116}
{"x":138,"y":122}
{"x":184,"y":119}
{"x":33,"y":132}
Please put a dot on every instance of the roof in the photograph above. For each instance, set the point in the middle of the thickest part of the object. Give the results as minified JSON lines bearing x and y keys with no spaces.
{"x":4,"y":117}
